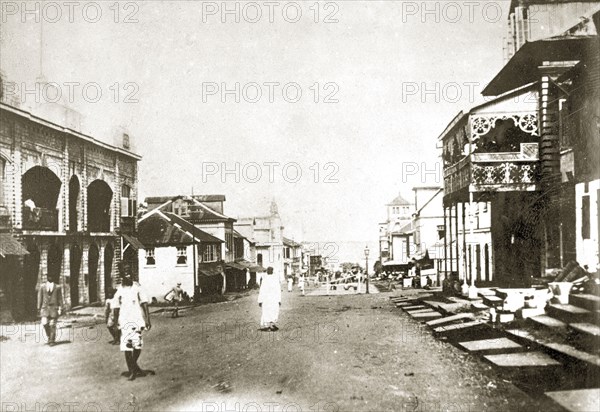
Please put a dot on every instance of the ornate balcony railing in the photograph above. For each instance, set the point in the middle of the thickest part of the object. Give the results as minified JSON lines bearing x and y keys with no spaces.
{"x":505,"y":171}
{"x":40,"y":219}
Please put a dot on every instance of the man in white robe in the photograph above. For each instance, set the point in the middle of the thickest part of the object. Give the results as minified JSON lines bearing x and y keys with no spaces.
{"x":269,"y":299}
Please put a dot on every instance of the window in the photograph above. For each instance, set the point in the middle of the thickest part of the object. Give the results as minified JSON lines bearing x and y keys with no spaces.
{"x":585,"y":217}
{"x":180,"y":208}
{"x":210,"y":253}
{"x":126,"y":142}
{"x":150,"y":259}
{"x":182,"y":255}
{"x":125,"y":191}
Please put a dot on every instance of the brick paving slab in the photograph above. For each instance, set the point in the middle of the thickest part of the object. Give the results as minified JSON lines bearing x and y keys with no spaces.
{"x":489,"y":344}
{"x":428,"y":315}
{"x":522,"y":359}
{"x":580,"y":400}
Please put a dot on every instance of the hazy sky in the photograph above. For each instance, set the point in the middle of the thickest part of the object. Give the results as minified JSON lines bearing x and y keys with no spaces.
{"x":371,"y":61}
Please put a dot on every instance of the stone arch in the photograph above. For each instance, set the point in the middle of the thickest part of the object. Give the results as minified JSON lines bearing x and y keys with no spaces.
{"x":99,"y":200}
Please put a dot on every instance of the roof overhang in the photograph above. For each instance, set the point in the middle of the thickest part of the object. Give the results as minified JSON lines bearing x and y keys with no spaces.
{"x":522,"y":68}
{"x":9,"y":246}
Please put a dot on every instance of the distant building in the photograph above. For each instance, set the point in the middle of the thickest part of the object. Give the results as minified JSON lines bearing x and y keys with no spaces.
{"x":395,"y":233}
{"x":171,"y":246}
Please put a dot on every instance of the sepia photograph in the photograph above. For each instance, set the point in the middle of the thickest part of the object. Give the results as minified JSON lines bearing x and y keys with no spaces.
{"x":304,"y":205}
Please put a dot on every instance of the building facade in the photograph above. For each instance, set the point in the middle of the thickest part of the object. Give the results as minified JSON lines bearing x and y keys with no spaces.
{"x":69,"y":199}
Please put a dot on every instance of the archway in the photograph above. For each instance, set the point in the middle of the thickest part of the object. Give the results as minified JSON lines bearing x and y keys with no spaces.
{"x":75,"y":270}
{"x":40,"y":192}
{"x":93,"y":257}
{"x":73,"y":203}
{"x":99,"y":197}
{"x":31,"y":265}
{"x":109,"y":254}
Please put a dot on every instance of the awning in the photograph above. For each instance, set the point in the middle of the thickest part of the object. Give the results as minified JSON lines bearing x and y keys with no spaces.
{"x":209,"y":272}
{"x":234,"y":265}
{"x":257,"y":269}
{"x":133,"y":241}
{"x":11,"y":246}
{"x":522,"y":68}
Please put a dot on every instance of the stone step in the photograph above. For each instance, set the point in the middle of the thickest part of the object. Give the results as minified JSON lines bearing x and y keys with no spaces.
{"x":450,"y":319}
{"x":548,"y":322}
{"x":490,"y":344}
{"x":586,"y":301}
{"x":486,"y":292}
{"x":425,"y":316}
{"x":523,"y":359}
{"x":492,"y":300}
{"x":413,"y":307}
{"x":579,"y":400}
{"x":568,"y":313}
{"x":561,"y":349}
{"x":403,"y":304}
{"x":587,"y":329}
{"x":458,"y":326}
{"x":479,"y":306}
{"x":426,"y":310}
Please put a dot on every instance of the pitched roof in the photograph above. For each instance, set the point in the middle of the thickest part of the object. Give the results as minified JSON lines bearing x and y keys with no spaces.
{"x":290,"y":242}
{"x":168,"y":229}
{"x":399,"y":200}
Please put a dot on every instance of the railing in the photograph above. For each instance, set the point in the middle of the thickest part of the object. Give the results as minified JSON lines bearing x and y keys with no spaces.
{"x":40,"y":219}
{"x":504,"y":171}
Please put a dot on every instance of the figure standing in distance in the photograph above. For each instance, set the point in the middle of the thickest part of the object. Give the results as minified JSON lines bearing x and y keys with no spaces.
{"x":131,"y":312}
{"x":301,"y":283}
{"x":50,"y":306}
{"x":175,"y":295}
{"x":290,"y":283}
{"x":269,"y":299}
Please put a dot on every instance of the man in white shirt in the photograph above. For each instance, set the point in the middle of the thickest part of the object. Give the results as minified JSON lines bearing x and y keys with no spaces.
{"x":131,"y":312}
{"x":269,"y":299}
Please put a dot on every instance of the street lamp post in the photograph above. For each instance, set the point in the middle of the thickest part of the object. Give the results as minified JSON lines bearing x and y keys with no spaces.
{"x":367,"y":266}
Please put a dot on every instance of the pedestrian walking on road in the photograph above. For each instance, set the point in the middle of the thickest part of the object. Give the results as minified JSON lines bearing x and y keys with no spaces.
{"x":269,"y":299}
{"x":109,"y":314}
{"x":301,"y":284}
{"x":50,"y":306}
{"x":175,"y":295}
{"x":131,"y":311}
{"x":290,"y":283}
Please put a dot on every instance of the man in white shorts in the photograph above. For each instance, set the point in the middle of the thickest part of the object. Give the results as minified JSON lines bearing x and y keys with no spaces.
{"x":131,"y":311}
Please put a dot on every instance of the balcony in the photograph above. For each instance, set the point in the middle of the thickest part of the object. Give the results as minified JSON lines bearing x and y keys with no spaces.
{"x":495,"y":172}
{"x":40,"y":219}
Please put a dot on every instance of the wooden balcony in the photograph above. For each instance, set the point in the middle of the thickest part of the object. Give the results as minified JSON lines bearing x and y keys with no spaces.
{"x":495,"y":172}
{"x":40,"y":219}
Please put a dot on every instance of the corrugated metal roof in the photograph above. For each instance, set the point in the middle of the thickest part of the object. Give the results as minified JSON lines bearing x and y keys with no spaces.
{"x":168,"y":229}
